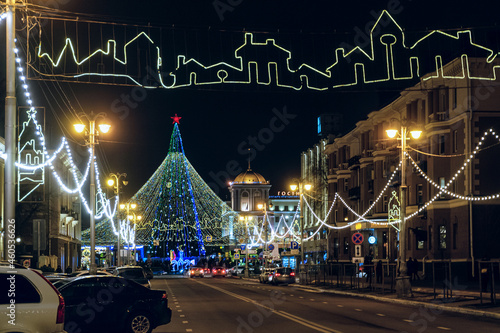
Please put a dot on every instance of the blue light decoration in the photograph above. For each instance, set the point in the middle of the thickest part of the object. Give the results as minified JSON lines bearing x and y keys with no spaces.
{"x":372,"y":240}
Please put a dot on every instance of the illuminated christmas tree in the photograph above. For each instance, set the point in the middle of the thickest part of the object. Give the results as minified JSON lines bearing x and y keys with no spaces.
{"x":180,"y":212}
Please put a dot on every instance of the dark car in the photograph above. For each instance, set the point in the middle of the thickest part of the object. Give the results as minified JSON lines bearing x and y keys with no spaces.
{"x":113,"y":304}
{"x":134,"y":273}
{"x":283,"y":275}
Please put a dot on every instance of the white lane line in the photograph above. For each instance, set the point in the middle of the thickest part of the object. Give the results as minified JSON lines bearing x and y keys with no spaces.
{"x":444,"y":328}
{"x":325,"y":302}
{"x":380,"y":314}
{"x":179,"y":310}
{"x":408,"y":320}
{"x":300,"y":320}
{"x":188,"y":330}
{"x":359,"y":310}
{"x":182,"y":316}
{"x":291,"y":295}
{"x":177,"y":306}
{"x":184,"y":321}
{"x":301,"y":297}
{"x":340,"y":306}
{"x":311,"y":299}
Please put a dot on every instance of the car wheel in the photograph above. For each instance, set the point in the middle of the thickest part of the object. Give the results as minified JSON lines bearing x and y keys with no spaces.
{"x":139,"y":323}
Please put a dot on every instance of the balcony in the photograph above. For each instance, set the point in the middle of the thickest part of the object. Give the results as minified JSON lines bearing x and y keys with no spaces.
{"x":354,"y":193}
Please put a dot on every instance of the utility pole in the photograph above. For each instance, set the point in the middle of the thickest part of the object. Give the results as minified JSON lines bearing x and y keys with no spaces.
{"x":10,"y":124}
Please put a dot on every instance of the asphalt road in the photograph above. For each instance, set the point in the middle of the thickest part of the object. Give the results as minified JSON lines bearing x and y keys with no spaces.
{"x":206,"y":305}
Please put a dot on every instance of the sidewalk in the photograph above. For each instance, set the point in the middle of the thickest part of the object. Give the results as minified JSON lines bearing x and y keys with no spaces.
{"x":463,"y":301}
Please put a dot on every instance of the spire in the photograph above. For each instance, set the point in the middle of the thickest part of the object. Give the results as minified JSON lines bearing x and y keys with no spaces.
{"x":249,"y":168}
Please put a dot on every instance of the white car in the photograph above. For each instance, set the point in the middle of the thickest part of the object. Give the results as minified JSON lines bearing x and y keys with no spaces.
{"x":29,"y":303}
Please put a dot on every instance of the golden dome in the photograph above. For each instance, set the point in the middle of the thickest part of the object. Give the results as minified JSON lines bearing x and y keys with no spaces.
{"x":250,"y":177}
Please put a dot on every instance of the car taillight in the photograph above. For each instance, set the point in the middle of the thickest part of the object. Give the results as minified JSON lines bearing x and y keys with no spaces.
{"x":192,"y":272}
{"x":278,"y":274}
{"x":223,"y":271}
{"x":292,"y":274}
{"x":214,"y":271}
{"x":164,"y":296}
{"x":62,"y":306}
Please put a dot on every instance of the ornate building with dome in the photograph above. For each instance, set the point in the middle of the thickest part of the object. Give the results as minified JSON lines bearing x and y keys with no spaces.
{"x":248,"y":190}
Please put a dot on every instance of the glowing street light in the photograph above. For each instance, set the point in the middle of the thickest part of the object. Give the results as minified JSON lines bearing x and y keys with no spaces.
{"x":301,"y":186}
{"x":403,"y":286}
{"x":114,"y":182}
{"x":91,"y":142}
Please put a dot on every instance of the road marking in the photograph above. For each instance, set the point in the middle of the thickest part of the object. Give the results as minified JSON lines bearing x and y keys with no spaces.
{"x":380,"y":314}
{"x":287,"y":315}
{"x":177,"y":306}
{"x":408,"y":320}
{"x":179,"y":310}
{"x":182,"y":316}
{"x":325,"y":302}
{"x":312,"y":299}
{"x":184,"y":321}
{"x":340,"y":306}
{"x":301,"y":297}
{"x":188,"y":330}
{"x":291,"y":295}
{"x":444,"y":328}
{"x":359,"y":310}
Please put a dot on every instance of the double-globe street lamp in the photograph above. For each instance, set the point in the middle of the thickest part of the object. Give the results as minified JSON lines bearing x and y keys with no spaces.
{"x":114,"y":182}
{"x":298,"y":184}
{"x":91,"y":142}
{"x":403,"y":286}
{"x":131,"y":217}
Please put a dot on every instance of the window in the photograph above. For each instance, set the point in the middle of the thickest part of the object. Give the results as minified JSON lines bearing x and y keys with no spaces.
{"x":455,"y":98}
{"x":455,"y":233}
{"x":442,"y":237}
{"x":336,"y":215}
{"x":245,"y":202}
{"x":346,"y":185}
{"x":430,"y":237}
{"x":420,"y":237}
{"x":442,"y":184}
{"x":441,"y":144}
{"x":455,"y":141}
{"x":346,"y":246}
{"x":420,"y":194}
{"x":335,"y":247}
{"x":384,"y":209}
{"x":25,"y":291}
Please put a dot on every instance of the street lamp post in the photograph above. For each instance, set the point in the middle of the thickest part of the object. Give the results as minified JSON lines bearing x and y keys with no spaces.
{"x":403,"y":286}
{"x":299,"y":184}
{"x":245,"y":218}
{"x":114,"y":182}
{"x":92,"y":141}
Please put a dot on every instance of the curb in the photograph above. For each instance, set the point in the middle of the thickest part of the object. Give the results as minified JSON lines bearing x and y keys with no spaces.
{"x":472,"y":312}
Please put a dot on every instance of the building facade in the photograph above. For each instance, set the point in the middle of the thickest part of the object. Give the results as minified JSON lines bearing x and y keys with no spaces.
{"x":454,"y":115}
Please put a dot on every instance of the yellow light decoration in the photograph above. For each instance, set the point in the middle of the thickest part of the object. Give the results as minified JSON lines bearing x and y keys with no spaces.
{"x":273,"y":67}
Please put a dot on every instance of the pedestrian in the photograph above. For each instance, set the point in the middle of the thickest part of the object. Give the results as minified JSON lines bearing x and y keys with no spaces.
{"x":409,"y":267}
{"x":58,"y":269}
{"x":415,"y":269}
{"x":379,"y":271}
{"x":69,"y":270}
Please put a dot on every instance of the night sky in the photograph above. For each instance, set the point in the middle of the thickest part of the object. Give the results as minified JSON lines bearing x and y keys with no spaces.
{"x":216,"y":120}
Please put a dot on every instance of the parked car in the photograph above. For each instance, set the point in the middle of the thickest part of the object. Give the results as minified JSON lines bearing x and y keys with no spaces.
{"x":266,"y":275}
{"x":54,"y":278}
{"x":134,"y":273}
{"x":237,"y":270}
{"x":196,"y":271}
{"x":283,"y":275}
{"x":149,"y":272}
{"x":112,"y":303}
{"x":218,"y":271}
{"x":38,"y":307}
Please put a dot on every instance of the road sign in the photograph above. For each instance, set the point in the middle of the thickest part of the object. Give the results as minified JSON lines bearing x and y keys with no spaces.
{"x":270,"y":247}
{"x":357,"y":250}
{"x":236,"y":256}
{"x":372,"y":240}
{"x":242,"y":247}
{"x":357,"y":238}
{"x":26,"y":263}
{"x":209,"y":238}
{"x":294,"y":245}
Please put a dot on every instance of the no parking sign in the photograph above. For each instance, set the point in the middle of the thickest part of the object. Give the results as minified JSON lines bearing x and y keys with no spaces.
{"x":357,"y":238}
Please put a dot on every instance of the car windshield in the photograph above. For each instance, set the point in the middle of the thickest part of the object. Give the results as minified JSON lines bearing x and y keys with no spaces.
{"x":284,"y":270}
{"x":131,"y":273}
